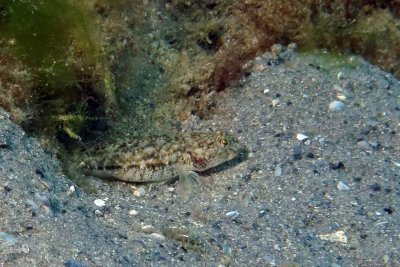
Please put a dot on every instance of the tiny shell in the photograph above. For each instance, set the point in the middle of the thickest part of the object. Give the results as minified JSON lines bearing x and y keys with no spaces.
{"x":336,"y":106}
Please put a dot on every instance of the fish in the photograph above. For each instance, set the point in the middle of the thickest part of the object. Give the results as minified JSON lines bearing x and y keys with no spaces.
{"x":160,"y":159}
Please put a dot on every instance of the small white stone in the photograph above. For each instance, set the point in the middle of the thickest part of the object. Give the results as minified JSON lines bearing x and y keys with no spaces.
{"x":232,"y":214}
{"x":157,"y":236}
{"x":336,"y":106}
{"x":99,"y":202}
{"x":266,"y":91}
{"x":377,"y":213}
{"x":301,"y":137}
{"x":133,"y":212}
{"x":338,"y":88}
{"x":342,"y":186}
{"x":139,"y":192}
{"x":340,"y":75}
{"x":72,"y":188}
{"x":275,"y":102}
{"x":276,"y":247}
{"x":278,"y":170}
{"x":25,"y":248}
{"x":98,"y":213}
{"x":363,"y":145}
{"x":386,"y":259}
{"x":171,"y":189}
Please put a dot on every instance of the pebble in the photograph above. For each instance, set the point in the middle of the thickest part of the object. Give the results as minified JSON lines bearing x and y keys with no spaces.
{"x":341,"y":96}
{"x":278,"y":170}
{"x":98,"y":213}
{"x":336,"y":106}
{"x":8,"y":239}
{"x":232,"y":214}
{"x":139,"y":192}
{"x":269,"y":260}
{"x":386,"y":259}
{"x":99,"y":202}
{"x":276,"y":49}
{"x":363,"y":145}
{"x":25,"y":248}
{"x":375,"y":187}
{"x":157,"y":236}
{"x":275,"y":102}
{"x":227,"y":250}
{"x":342,"y":186}
{"x":338,"y":236}
{"x":336,"y":166}
{"x":396,"y":163}
{"x":148,"y":229}
{"x":301,"y":137}
{"x":337,"y":88}
{"x":133,"y":212}
{"x":71,"y":190}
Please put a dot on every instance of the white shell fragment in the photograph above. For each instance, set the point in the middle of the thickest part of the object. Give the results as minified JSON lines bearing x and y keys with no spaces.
{"x":336,"y":106}
{"x":99,"y":202}
{"x":232,"y":214}
{"x":342,"y":186}
{"x":338,"y":236}
{"x":341,"y":96}
{"x":148,"y":229}
{"x":301,"y":137}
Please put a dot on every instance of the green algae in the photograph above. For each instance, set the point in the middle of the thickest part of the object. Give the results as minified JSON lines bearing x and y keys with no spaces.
{"x":59,"y":44}
{"x":331,"y":62}
{"x":41,"y":33}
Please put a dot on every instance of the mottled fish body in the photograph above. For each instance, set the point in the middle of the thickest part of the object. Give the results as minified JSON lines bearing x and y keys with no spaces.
{"x":162,"y":158}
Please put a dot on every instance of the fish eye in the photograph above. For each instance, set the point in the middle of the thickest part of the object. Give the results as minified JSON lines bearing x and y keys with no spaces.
{"x":224,"y":142}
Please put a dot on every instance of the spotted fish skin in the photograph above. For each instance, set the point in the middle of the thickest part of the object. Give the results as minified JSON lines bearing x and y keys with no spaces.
{"x":162,"y":158}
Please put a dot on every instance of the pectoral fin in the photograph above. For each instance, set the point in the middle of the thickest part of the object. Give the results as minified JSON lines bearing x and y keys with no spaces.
{"x":188,"y":182}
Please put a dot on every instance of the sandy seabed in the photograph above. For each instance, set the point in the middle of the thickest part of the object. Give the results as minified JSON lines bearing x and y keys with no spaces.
{"x":320,"y":185}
